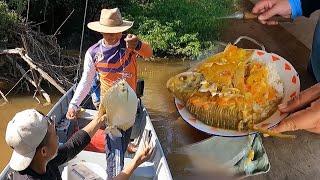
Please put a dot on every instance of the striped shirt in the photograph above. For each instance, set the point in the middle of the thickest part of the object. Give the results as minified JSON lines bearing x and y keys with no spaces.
{"x":113,"y":63}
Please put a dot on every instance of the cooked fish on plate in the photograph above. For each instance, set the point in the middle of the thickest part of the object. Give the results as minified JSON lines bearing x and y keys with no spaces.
{"x":234,"y":90}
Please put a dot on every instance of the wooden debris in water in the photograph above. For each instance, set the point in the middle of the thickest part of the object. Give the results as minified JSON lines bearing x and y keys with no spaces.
{"x":27,"y":59}
{"x":43,"y":55}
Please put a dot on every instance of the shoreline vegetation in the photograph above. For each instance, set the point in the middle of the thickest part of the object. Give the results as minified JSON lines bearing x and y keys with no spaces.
{"x":45,"y":30}
{"x":180,"y":28}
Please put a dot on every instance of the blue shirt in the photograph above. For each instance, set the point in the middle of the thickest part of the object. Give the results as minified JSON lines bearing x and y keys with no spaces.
{"x":296,"y":9}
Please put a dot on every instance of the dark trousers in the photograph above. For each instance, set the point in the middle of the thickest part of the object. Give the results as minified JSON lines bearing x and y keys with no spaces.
{"x":115,"y":148}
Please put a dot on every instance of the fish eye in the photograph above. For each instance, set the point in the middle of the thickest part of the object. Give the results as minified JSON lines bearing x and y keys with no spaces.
{"x":183,"y":78}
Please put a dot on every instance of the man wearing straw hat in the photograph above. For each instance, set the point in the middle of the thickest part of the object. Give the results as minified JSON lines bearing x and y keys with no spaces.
{"x":114,"y":58}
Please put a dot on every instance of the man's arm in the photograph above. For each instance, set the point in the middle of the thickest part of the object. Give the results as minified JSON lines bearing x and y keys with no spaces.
{"x":141,"y":48}
{"x":144,"y":49}
{"x":83,"y":87}
{"x":285,"y":8}
{"x":78,"y":141}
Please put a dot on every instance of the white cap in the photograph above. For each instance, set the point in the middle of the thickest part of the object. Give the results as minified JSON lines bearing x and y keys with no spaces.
{"x":24,"y":133}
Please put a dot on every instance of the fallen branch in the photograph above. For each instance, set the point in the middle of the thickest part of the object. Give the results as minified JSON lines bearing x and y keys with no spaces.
{"x":3,"y":96}
{"x":22,"y":71}
{"x":27,"y":59}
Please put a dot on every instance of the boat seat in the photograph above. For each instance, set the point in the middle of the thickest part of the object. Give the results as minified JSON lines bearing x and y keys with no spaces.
{"x":91,"y":165}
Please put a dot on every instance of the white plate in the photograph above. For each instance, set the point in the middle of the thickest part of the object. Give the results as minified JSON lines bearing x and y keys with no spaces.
{"x":291,"y":83}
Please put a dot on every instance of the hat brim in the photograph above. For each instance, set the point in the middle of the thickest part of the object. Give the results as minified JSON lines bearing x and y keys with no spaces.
{"x":96,"y":26}
{"x":20,"y":162}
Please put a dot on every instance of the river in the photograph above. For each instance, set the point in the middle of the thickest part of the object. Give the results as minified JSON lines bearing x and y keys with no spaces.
{"x":172,"y":131}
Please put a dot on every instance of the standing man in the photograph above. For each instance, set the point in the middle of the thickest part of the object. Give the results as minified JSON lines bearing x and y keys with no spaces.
{"x":114,"y":57}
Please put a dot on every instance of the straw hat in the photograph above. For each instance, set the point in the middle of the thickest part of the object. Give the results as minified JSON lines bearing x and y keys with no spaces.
{"x":110,"y":22}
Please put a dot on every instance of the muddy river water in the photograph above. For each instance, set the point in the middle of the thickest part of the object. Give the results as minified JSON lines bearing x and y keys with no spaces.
{"x":172,"y":131}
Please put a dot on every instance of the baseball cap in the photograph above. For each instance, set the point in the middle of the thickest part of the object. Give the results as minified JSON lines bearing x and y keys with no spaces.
{"x":24,"y":133}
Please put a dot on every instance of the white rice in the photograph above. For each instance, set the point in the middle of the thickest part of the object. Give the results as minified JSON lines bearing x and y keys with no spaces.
{"x":274,"y":79}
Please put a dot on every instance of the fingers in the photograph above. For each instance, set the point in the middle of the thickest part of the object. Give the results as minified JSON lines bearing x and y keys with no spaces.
{"x":262,"y":6}
{"x":130,"y":37}
{"x":71,"y":114}
{"x":270,"y":8}
{"x":314,"y":130}
{"x":152,"y":149}
{"x":304,"y":98}
{"x":267,"y":10}
{"x":269,"y":13}
{"x":103,"y":117}
{"x":149,"y":151}
{"x":269,"y":22}
{"x":305,"y":119}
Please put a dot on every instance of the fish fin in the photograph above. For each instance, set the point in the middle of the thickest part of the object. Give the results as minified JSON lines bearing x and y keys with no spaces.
{"x":108,"y":129}
{"x":113,"y":131}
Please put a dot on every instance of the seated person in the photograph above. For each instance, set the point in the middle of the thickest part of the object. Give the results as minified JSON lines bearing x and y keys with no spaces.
{"x":37,"y":155}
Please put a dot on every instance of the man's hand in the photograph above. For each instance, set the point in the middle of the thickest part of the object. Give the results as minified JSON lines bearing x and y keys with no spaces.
{"x":270,"y":8}
{"x":144,"y":153}
{"x":71,"y":114}
{"x":131,"y":41}
{"x":308,"y":118}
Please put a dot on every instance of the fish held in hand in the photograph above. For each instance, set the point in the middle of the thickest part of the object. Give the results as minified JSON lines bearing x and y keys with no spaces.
{"x":119,"y":103}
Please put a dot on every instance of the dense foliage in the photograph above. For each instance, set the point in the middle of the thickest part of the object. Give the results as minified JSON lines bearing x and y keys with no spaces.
{"x":8,"y":19}
{"x":173,"y":27}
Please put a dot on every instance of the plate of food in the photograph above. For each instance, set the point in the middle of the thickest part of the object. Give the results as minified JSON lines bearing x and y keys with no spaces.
{"x":235,"y":92}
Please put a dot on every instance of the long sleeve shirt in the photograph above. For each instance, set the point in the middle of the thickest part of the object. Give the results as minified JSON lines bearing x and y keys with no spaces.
{"x":87,"y":78}
{"x":66,"y":152}
{"x":108,"y":53}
